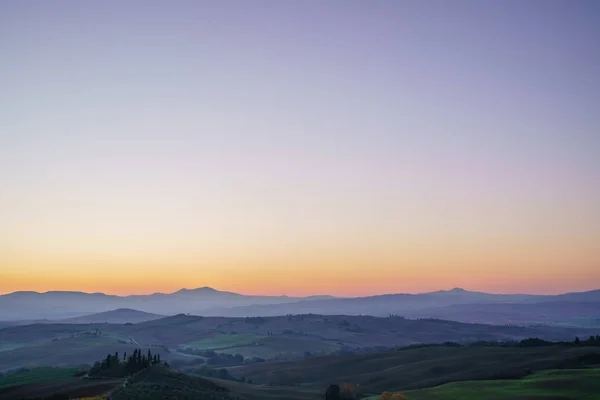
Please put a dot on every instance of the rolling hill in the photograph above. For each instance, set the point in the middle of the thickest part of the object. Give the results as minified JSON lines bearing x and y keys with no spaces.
{"x":119,"y":316}
{"x":582,"y":384}
{"x":406,"y":369}
{"x":289,"y":337}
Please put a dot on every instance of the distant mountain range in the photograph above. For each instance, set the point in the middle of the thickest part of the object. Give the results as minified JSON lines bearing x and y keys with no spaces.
{"x":578,"y":309}
{"x":64,"y":304}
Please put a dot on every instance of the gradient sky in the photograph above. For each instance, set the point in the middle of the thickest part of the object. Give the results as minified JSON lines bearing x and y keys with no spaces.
{"x":300,"y":147}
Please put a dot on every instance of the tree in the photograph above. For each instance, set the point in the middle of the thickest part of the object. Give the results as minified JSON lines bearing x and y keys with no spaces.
{"x":155,"y":360}
{"x":577,"y":341}
{"x":332,"y":392}
{"x":124,"y":356}
{"x":238,"y":358}
{"x":223,"y":374}
{"x":348,"y":392}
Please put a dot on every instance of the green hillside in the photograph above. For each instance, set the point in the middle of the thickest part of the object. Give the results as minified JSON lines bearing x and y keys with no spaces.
{"x":158,"y":383}
{"x":262,"y":346}
{"x":548,"y":385}
{"x":418,"y":368}
{"x":34,"y":375}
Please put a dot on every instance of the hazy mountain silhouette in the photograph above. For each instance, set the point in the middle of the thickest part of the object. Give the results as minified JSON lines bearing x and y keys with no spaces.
{"x":456,"y":304}
{"x":67,"y":304}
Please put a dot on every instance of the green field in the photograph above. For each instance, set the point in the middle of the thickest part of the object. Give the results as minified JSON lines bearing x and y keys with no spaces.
{"x":418,"y":368}
{"x":582,"y":384}
{"x":262,"y":346}
{"x":223,"y":341}
{"x":35,"y":375}
{"x":4,"y":346}
{"x":63,"y":352}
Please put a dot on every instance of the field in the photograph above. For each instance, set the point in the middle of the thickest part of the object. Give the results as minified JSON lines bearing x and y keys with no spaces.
{"x":287,"y":336}
{"x":9,"y":346}
{"x":63,"y":352}
{"x":441,"y":373}
{"x":159,"y":383}
{"x":547,"y":385}
{"x":223,"y":341}
{"x":74,"y":387}
{"x":42,"y":374}
{"x":418,"y":368}
{"x":359,"y":350}
{"x":45,"y":381}
{"x":263,"y":346}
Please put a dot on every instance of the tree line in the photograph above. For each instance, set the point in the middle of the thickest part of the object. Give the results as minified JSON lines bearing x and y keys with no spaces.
{"x":115,"y":366}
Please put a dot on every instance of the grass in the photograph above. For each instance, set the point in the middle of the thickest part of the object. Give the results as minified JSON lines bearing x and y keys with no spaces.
{"x":65,"y":352}
{"x":73,"y":387}
{"x":262,"y":346}
{"x":4,"y":346}
{"x":41,"y":374}
{"x":157,"y":383}
{"x":223,"y":341}
{"x":417,"y":368}
{"x":258,"y":392}
{"x":582,"y":384}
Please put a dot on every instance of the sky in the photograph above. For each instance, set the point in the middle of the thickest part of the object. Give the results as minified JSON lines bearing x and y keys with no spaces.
{"x":300,"y":147}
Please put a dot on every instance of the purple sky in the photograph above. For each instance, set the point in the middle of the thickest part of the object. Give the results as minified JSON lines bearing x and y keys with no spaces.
{"x":255,"y":131}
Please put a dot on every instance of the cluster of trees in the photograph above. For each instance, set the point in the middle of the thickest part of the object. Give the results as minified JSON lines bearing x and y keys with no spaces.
{"x":255,"y":320}
{"x":221,"y":373}
{"x":115,"y":366}
{"x":342,"y":392}
{"x":535,"y":342}
{"x":395,"y":316}
{"x":222,"y":359}
{"x":531,"y":342}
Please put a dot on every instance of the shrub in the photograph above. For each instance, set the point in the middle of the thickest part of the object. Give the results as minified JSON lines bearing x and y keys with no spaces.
{"x":393,"y":396}
{"x":348,"y":392}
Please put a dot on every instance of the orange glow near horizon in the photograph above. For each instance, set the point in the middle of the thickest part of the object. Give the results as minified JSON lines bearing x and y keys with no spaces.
{"x":360,"y":273}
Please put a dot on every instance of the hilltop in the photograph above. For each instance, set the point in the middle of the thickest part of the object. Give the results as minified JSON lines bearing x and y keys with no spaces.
{"x":119,"y":316}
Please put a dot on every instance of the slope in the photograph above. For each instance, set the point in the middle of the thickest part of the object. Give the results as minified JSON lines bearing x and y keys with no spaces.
{"x":418,"y":368}
{"x":583,"y":384}
{"x":118,"y":316}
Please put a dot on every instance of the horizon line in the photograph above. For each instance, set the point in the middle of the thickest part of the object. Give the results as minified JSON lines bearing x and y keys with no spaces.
{"x":454,"y":289}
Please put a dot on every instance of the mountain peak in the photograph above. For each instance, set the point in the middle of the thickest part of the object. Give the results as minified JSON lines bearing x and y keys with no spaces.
{"x":200,"y":289}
